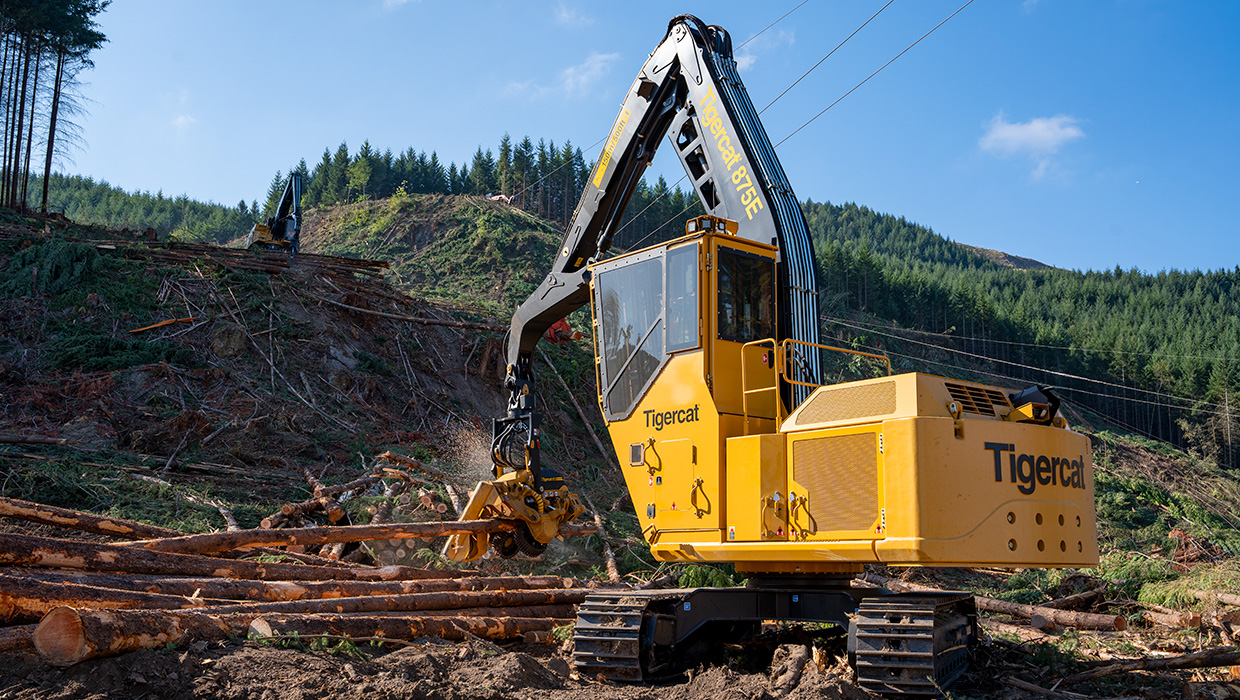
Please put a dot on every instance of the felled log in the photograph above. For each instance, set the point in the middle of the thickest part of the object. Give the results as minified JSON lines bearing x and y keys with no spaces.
{"x":1065,"y":618}
{"x":27,"y":550}
{"x":271,"y":591}
{"x":291,"y":509}
{"x":214,"y":542}
{"x":397,"y":458}
{"x":66,"y":636}
{"x":16,"y":638}
{"x":1173,"y":619}
{"x":27,"y":600}
{"x":1216,"y":597}
{"x":1207,"y":658}
{"x":32,"y":440}
{"x":366,"y":481}
{"x":325,"y":492}
{"x":417,"y":601}
{"x":275,"y":520}
{"x":557,"y":612}
{"x":85,"y":522}
{"x":334,"y":512}
{"x":1084,"y":599}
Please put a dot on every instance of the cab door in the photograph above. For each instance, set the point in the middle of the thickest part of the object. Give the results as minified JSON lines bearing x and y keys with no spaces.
{"x":743,"y":288}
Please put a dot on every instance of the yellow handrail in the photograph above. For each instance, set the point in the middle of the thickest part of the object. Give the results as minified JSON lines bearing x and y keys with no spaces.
{"x":790,"y":341}
{"x":745,"y":391}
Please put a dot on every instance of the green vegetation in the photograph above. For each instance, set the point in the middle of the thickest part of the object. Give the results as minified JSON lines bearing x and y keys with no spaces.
{"x":84,"y":200}
{"x":1155,"y":354}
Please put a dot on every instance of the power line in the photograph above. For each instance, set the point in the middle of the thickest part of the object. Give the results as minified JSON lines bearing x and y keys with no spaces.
{"x":1014,"y":380}
{"x":824,"y":58}
{"x":772,"y":24}
{"x":1035,"y":368}
{"x":596,"y":143}
{"x":863,"y":82}
{"x":1053,"y":347}
{"x":764,"y":109}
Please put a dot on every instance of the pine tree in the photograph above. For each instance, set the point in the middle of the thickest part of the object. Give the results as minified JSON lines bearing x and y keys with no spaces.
{"x":274,"y":191}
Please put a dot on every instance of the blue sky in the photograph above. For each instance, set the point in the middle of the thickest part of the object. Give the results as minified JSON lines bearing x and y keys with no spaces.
{"x":1085,"y":134}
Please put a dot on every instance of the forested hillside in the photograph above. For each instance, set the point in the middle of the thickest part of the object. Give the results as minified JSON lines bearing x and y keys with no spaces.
{"x":543,"y":179}
{"x":1154,"y":353}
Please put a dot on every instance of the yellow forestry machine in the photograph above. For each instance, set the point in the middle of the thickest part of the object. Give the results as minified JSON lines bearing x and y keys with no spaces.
{"x":708,"y":366}
{"x":281,"y":232}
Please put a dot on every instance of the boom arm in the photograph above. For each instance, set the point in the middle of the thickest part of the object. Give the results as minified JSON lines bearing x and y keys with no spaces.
{"x":690,"y":90}
{"x":286,"y":225}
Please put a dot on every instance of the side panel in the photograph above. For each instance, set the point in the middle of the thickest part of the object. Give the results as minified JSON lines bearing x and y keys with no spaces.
{"x":757,"y":489}
{"x":835,"y":479}
{"x":1001,"y":493}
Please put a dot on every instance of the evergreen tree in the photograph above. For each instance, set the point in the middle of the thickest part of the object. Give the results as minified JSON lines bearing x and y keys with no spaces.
{"x":274,"y":191}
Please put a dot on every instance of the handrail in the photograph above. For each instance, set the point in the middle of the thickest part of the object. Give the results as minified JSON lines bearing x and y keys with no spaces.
{"x":745,"y":391}
{"x":791,"y":341}
{"x":782,"y":370}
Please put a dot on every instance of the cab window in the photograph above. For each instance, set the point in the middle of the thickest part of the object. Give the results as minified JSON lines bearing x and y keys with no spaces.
{"x":630,"y":310}
{"x":682,"y":301}
{"x":746,"y":296}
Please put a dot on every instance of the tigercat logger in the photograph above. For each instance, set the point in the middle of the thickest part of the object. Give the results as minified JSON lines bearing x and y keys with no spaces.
{"x":708,"y":365}
{"x":281,"y":232}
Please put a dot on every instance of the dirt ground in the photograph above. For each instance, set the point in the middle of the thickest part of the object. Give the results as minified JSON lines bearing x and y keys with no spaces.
{"x":436,"y":671}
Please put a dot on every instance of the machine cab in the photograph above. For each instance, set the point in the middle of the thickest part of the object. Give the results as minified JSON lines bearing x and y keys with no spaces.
{"x":708,"y":295}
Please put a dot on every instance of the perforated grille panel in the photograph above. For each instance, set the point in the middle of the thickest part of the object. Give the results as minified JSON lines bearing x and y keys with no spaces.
{"x":976,"y":399}
{"x":841,"y":475}
{"x":849,"y":402}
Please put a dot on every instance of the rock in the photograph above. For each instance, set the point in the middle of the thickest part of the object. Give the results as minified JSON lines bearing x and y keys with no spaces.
{"x":338,"y":359}
{"x":227,"y":340}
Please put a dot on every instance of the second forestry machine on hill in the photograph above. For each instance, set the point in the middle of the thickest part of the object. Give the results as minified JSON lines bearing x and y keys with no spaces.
{"x":708,"y":367}
{"x":282,"y":232}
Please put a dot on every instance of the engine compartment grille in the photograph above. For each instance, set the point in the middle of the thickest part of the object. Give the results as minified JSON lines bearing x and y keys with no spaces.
{"x":976,"y":399}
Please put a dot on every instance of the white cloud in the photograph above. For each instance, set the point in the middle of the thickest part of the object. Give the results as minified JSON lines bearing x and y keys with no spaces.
{"x":393,"y":4}
{"x":579,"y":79}
{"x":1028,"y":5}
{"x":1038,"y":136}
{"x":571,"y":16}
{"x":184,"y":121}
{"x":1039,"y":139}
{"x":747,"y":55}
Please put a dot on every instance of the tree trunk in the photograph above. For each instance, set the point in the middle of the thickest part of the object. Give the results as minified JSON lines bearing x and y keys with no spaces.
{"x":274,"y":591}
{"x":1214,"y":596}
{"x":51,"y":127}
{"x":334,"y":512}
{"x":1174,"y":620}
{"x":9,"y":100}
{"x":1218,"y":656}
{"x":27,"y":600}
{"x":215,"y":542}
{"x":1077,"y":600}
{"x":15,"y":166}
{"x":67,"y":636}
{"x":34,"y":93}
{"x":78,"y":520}
{"x":417,"y":601}
{"x":26,"y":550}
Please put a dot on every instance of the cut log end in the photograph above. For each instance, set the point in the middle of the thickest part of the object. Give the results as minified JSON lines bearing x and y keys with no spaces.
{"x":60,"y":637}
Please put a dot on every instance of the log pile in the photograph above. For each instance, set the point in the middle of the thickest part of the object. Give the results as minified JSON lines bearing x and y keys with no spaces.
{"x":72,"y":600}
